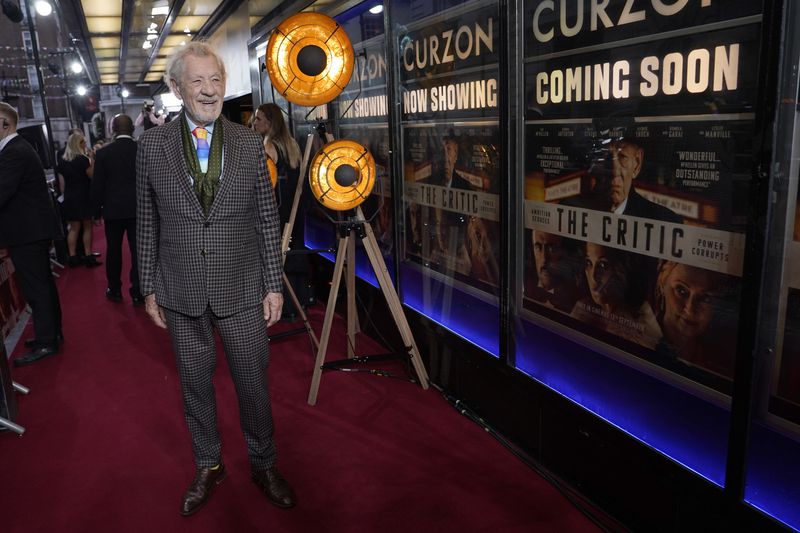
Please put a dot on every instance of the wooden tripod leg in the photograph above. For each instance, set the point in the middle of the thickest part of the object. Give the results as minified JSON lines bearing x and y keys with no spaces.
{"x":393,"y":301}
{"x":300,"y":310}
{"x":326,"y":325}
{"x":350,"y":285}
{"x":298,"y":191}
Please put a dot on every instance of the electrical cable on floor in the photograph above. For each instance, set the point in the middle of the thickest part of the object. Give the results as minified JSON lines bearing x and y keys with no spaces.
{"x":375,"y":372}
{"x":581,"y":503}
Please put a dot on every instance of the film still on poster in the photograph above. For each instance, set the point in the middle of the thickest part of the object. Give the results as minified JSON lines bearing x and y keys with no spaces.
{"x":451,"y":199}
{"x":634,"y":233}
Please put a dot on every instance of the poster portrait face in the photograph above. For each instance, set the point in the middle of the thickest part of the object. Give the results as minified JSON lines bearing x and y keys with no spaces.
{"x":605,"y":276}
{"x":548,"y":252}
{"x":626,"y":163}
{"x":689,"y":296}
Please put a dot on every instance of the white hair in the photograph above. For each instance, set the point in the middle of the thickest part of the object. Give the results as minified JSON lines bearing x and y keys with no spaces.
{"x":176,"y":61}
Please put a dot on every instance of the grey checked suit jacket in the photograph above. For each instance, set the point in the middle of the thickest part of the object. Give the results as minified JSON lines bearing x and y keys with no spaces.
{"x":229,"y":260}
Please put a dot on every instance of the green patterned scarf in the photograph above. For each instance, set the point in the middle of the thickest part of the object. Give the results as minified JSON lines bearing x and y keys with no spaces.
{"x":205,"y":183}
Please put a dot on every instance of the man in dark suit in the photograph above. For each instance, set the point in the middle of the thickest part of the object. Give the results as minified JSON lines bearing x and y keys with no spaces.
{"x":114,"y":195}
{"x":209,"y":257}
{"x":28,"y":224}
{"x":620,"y":164}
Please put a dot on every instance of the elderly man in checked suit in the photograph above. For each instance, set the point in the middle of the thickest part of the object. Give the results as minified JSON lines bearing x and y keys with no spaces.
{"x":209,"y":257}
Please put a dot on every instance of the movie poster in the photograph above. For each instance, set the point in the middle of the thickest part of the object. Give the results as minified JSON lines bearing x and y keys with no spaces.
{"x":449,"y":108}
{"x":638,"y":143}
{"x":452,"y":211}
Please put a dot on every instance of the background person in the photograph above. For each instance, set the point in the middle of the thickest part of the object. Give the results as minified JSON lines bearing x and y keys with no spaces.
{"x":209,"y":258}
{"x":284,"y":151}
{"x":114,"y":196}
{"x":28,"y":224}
{"x":147,"y":117}
{"x":77,"y":170}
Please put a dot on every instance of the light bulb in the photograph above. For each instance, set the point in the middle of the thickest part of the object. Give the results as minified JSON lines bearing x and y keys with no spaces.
{"x":377,"y":9}
{"x":43,"y":8}
{"x":81,"y":90}
{"x":125,"y":93}
{"x":76,"y":67}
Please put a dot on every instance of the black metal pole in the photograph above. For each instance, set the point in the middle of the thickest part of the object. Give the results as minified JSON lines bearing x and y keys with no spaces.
{"x":66,"y":92}
{"x":749,"y":352}
{"x":42,"y":90}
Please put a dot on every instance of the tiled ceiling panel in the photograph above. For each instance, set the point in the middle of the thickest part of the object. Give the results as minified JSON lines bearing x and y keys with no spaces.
{"x":150,"y":33}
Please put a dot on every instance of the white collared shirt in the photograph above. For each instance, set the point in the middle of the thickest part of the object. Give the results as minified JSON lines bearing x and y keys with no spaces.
{"x":5,"y":141}
{"x":621,"y":207}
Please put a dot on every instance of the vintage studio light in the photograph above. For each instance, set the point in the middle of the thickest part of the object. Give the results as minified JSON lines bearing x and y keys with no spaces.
{"x":309,"y":59}
{"x":342,"y":175}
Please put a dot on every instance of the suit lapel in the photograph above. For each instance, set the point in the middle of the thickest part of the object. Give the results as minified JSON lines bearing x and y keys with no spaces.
{"x":230,"y":158}
{"x":173,"y":144}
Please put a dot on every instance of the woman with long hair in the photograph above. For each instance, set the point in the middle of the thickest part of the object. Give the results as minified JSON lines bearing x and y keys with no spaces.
{"x":284,"y":151}
{"x":278,"y":142}
{"x":77,"y":169}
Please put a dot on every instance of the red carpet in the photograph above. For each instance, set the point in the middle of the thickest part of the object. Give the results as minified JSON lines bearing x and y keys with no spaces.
{"x":106,"y":447}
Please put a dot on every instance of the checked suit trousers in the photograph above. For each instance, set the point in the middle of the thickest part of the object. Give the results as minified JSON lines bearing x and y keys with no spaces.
{"x":244,"y":338}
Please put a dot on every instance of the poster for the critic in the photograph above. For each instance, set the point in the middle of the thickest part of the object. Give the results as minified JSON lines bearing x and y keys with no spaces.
{"x":638,"y":144}
{"x":449,"y":107}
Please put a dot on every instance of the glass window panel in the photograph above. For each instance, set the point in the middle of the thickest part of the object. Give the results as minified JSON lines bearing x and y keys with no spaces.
{"x":449,"y":95}
{"x":366,"y":122}
{"x":773,"y":462}
{"x":636,"y":160}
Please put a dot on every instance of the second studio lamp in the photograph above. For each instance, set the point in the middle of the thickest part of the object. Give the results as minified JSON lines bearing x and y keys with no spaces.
{"x":309,"y":59}
{"x":342,"y":175}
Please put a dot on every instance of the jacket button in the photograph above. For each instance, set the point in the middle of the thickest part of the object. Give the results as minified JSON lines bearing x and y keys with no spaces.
{"x":203,"y":251}
{"x":206,"y":224}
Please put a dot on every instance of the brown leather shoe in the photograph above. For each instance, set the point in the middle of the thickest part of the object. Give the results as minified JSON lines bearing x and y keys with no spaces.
{"x":198,"y":493}
{"x":277,"y":489}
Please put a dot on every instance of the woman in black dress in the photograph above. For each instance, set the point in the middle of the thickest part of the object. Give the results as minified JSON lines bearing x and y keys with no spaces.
{"x":77,"y":169}
{"x":284,"y":151}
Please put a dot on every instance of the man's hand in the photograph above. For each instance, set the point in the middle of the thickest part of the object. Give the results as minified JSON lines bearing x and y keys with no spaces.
{"x":154,"y":311}
{"x":273,"y":307}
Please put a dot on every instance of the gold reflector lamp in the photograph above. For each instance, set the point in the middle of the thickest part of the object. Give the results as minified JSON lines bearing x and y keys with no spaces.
{"x":342,"y":175}
{"x":309,"y":59}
